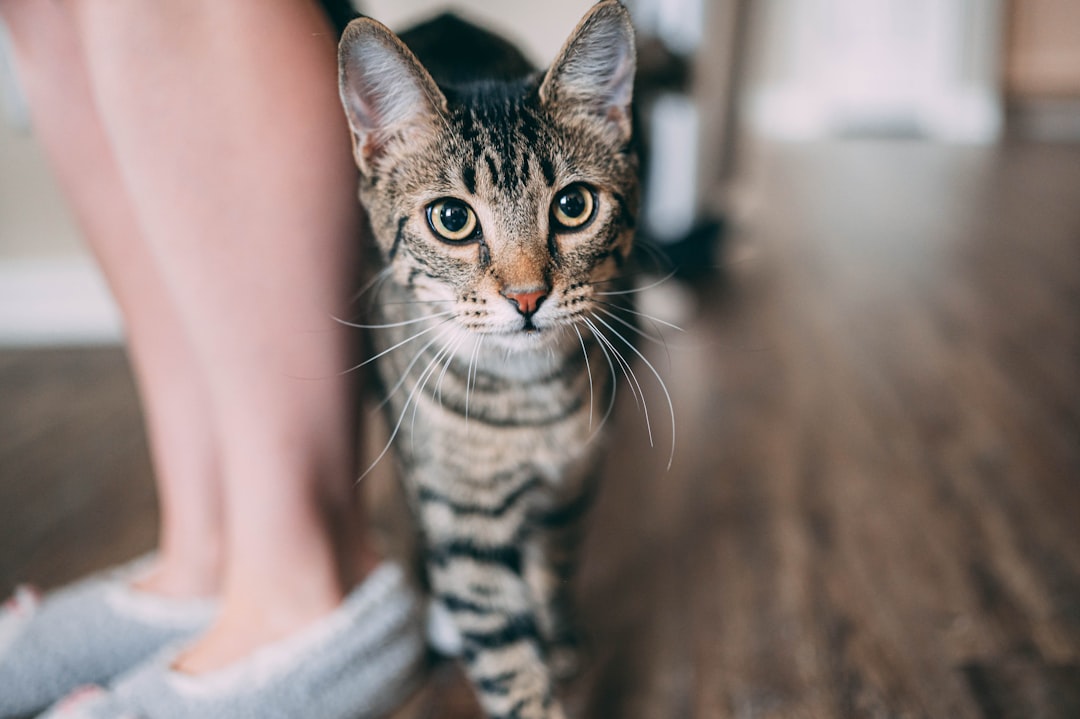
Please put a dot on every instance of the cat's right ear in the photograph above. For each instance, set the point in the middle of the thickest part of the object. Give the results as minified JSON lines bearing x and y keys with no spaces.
{"x":592,"y":79}
{"x":388,"y":95}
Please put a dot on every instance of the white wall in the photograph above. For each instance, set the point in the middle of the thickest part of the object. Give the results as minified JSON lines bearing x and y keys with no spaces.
{"x":930,"y":67}
{"x":50,"y":289}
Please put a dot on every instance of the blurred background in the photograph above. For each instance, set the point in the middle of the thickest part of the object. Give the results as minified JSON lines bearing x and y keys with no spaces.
{"x":717,"y":77}
{"x":870,"y":210}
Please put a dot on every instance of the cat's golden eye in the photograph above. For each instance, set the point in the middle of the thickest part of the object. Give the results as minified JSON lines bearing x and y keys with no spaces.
{"x":573,"y":207}
{"x":452,"y":220}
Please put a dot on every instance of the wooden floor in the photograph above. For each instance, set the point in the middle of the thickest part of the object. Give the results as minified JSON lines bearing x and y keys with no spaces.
{"x":874,"y":506}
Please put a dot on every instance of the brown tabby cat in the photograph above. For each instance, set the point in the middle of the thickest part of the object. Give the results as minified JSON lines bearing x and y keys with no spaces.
{"x":502,"y":201}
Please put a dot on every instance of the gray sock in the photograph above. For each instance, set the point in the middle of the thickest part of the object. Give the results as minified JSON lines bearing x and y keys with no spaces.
{"x":359,"y":662}
{"x":88,"y":632}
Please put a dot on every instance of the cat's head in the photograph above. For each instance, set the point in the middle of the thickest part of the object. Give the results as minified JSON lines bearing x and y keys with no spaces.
{"x":510,"y":206}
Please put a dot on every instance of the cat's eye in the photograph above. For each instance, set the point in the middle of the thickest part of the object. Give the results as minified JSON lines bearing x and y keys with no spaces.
{"x":573,"y":207}
{"x":452,"y":220}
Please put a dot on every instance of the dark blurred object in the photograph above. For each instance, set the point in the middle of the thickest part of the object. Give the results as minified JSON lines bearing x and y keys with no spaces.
{"x":340,"y":13}
{"x":1043,"y":119}
{"x":689,"y":69}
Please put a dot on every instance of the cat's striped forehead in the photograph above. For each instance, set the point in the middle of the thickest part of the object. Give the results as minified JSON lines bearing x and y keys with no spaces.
{"x":505,"y":136}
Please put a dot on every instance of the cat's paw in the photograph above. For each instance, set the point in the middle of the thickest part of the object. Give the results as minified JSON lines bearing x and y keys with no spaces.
{"x":442,"y":634}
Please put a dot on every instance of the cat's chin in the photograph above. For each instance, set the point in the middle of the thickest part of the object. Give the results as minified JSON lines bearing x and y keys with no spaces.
{"x":533,"y":339}
{"x":522,"y":338}
{"x":522,"y":355}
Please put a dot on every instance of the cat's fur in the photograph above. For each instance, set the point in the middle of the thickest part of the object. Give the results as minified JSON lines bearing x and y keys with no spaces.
{"x":489,"y":349}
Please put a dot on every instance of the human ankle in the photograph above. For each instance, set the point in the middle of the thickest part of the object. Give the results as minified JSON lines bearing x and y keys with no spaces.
{"x":251,"y":619}
{"x":189,"y":575}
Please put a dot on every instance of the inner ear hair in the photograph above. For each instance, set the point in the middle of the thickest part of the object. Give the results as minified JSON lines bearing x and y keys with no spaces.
{"x":387,"y":94}
{"x":592,"y":77}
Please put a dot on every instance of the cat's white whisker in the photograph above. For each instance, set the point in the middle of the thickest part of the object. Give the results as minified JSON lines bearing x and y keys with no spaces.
{"x":469,"y":376}
{"x":415,"y":302}
{"x":433,"y":365}
{"x":621,"y":277}
{"x":643,"y":315}
{"x":634,"y":328}
{"x":390,"y":349}
{"x":619,"y":359}
{"x":449,"y":360}
{"x":635,"y":290}
{"x":660,"y":261}
{"x":588,"y":371}
{"x":614,"y":382}
{"x":408,"y":368}
{"x":397,"y":425}
{"x":380,"y":277}
{"x":418,"y":320}
{"x":632,"y":375}
{"x":663,"y":386}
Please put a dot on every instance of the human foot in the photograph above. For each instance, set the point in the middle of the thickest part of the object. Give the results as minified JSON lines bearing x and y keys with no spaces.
{"x":248,"y":621}
{"x":87,"y":632}
{"x":358,"y":662}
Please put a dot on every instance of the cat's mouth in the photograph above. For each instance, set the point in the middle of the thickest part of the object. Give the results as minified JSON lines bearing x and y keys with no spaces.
{"x":518,"y":327}
{"x":525,"y":336}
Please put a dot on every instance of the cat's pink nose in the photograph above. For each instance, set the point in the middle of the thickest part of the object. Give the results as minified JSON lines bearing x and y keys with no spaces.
{"x":527,"y":302}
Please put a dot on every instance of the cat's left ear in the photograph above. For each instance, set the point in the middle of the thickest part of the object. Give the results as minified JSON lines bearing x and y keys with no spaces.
{"x":389,"y":98}
{"x":592,"y":79}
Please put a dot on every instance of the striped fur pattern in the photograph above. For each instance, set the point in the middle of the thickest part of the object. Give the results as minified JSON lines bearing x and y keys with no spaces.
{"x":496,"y":350}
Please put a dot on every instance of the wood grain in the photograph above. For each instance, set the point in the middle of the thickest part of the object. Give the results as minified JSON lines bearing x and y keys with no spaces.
{"x":874,"y":507}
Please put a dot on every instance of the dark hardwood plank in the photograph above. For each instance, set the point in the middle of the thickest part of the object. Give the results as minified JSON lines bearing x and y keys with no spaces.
{"x":75,"y":490}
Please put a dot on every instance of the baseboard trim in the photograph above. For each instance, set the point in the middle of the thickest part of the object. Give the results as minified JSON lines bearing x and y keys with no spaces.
{"x":48,"y":302}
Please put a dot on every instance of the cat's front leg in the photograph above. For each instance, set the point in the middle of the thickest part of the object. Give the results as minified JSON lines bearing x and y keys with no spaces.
{"x":476,"y":571}
{"x":552,"y":552}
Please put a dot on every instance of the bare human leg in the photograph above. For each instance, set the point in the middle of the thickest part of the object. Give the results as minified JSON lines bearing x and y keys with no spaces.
{"x":174,"y":394}
{"x":96,"y":629}
{"x":225,"y":124}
